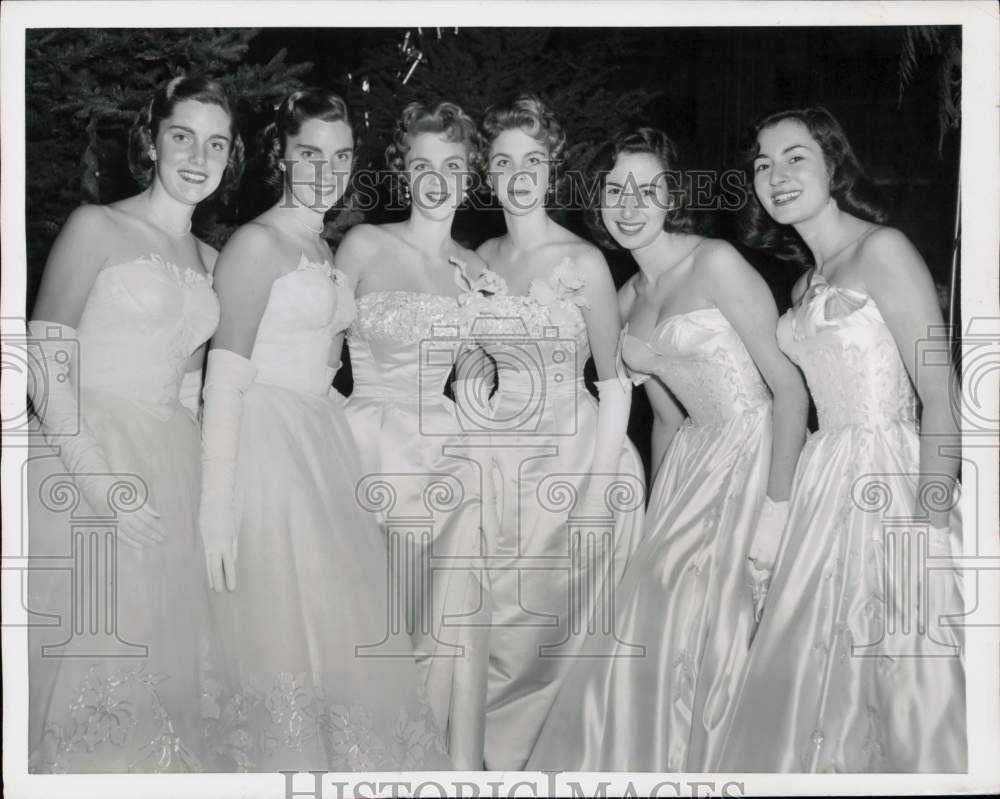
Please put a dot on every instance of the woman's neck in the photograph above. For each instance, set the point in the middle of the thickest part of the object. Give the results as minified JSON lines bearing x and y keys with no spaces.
{"x":430,"y":236}
{"x":828,"y":233}
{"x":300,"y":218}
{"x":165,"y":212}
{"x":527,"y":232}
{"x":662,"y":254}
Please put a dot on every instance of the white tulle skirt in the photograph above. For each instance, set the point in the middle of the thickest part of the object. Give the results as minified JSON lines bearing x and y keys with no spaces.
{"x":114,"y":681}
{"x":311,"y":677}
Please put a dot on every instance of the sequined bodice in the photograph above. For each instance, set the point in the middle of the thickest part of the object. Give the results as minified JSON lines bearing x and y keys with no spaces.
{"x":704,"y":363}
{"x":307,"y":307}
{"x":142,"y":321}
{"x":403,"y":344}
{"x":538,"y":340}
{"x":851,"y":362}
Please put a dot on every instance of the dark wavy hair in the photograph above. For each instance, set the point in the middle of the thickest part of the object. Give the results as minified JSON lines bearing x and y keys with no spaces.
{"x":142,"y":136}
{"x":529,"y":114}
{"x":641,"y":140}
{"x":295,"y":110}
{"x":853,"y":191}
{"x":446,"y":119}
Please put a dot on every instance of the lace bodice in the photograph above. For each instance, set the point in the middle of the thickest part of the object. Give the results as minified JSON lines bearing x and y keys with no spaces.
{"x":851,"y":362}
{"x":307,"y":307}
{"x":536,"y":339}
{"x":404,"y":343}
{"x":704,"y":363}
{"x":142,"y":321}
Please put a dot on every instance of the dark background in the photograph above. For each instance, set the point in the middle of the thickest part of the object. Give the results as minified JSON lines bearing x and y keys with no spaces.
{"x":888,"y":86}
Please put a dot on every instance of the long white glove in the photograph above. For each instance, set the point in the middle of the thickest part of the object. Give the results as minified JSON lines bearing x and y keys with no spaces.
{"x":764,"y":550}
{"x":228,"y":376}
{"x":58,"y":410}
{"x":190,"y":395}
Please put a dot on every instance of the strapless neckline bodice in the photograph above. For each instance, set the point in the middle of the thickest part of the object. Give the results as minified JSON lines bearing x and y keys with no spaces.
{"x":143,"y":319}
{"x":703,"y":361}
{"x":851,"y":362}
{"x":307,"y":307}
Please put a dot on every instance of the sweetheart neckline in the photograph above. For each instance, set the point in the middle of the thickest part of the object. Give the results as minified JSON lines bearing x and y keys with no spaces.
{"x":159,"y":260}
{"x":672,"y":317}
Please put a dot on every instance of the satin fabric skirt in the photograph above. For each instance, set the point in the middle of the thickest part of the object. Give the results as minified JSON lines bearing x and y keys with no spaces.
{"x":423,"y":481}
{"x":313,"y":677}
{"x":841,"y":679}
{"x":658,"y":698}
{"x":120,"y":690}
{"x":553,"y":570}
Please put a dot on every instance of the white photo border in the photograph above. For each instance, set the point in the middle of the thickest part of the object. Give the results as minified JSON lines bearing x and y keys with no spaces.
{"x":980,"y":164}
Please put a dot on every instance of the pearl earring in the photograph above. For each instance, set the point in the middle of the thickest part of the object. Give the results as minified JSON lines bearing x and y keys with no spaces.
{"x":281,"y":166}
{"x":152,"y":154}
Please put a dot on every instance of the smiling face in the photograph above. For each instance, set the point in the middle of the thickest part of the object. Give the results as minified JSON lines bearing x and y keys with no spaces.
{"x":192,"y":150}
{"x":519,"y":171}
{"x":790,"y":176}
{"x":635,"y":200}
{"x":318,"y":163}
{"x":437,"y":172}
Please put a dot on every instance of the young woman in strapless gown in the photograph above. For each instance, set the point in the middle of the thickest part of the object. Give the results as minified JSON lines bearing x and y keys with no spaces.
{"x":298,"y":569}
{"x":423,"y":479}
{"x":124,"y":307}
{"x":700,"y":330}
{"x":555,"y":561}
{"x":854,"y":667}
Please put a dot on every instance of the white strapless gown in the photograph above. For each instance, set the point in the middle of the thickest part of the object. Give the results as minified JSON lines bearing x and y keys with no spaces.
{"x":118,"y":689}
{"x":423,"y":481}
{"x":319,"y":681}
{"x":831,"y":686}
{"x":554,"y":568}
{"x":658,"y":699}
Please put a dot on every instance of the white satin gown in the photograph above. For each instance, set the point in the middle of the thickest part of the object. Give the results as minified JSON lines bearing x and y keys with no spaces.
{"x":423,"y":482}
{"x":657,"y":700}
{"x":555,"y":562}
{"x":843,"y":676}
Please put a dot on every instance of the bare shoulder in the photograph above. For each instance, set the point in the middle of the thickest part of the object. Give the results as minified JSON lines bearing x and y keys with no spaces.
{"x":252,"y":235}
{"x":88,"y":223}
{"x":717,"y":263}
{"x":718,"y":255}
{"x":887,"y":251}
{"x":587,"y":259}
{"x":250,"y":251}
{"x":360,"y":244}
{"x":83,"y":246}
